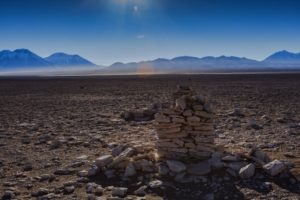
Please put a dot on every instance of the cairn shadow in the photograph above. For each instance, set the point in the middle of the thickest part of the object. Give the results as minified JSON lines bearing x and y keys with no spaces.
{"x":265,"y":185}
{"x":199,"y":191}
{"x":209,"y":187}
{"x":169,"y":189}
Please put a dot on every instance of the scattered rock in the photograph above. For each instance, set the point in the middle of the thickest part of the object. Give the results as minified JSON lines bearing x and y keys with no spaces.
{"x":99,"y":190}
{"x":64,"y":171}
{"x":40,"y":192}
{"x":93,"y":170}
{"x":27,"y":167}
{"x":155,"y":184}
{"x":118,"y":150}
{"x":83,"y":173}
{"x":103,"y":161}
{"x":230,"y":158}
{"x":236,"y":112}
{"x":124,"y":155}
{"x":119,"y":191}
{"x":274,"y":168}
{"x":247,"y":172}
{"x":8,"y":195}
{"x":130,"y":170}
{"x":69,"y":189}
{"x":141,"y":191}
{"x":260,"y":155}
{"x":253,"y":124}
{"x":163,"y":169}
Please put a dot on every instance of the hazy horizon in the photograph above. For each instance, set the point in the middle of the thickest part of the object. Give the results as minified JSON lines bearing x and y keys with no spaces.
{"x":106,"y":32}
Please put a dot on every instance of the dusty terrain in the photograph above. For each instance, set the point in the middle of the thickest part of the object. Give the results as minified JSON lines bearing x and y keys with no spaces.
{"x":49,"y":124}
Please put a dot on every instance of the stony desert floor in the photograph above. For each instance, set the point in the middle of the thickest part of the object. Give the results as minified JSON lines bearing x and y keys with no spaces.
{"x":53,"y":127}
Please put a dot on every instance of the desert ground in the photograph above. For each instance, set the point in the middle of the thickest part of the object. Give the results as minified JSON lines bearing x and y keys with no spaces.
{"x":51,"y":128}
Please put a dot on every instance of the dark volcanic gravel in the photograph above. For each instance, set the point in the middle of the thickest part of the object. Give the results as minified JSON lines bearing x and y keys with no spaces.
{"x":51,"y":128}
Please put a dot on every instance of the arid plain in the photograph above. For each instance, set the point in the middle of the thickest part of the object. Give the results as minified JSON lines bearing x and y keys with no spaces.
{"x":52,"y":128}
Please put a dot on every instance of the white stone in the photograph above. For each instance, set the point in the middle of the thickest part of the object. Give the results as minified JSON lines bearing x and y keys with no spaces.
{"x":83,"y":173}
{"x":230,"y":158}
{"x":155,"y":184}
{"x":274,"y":168}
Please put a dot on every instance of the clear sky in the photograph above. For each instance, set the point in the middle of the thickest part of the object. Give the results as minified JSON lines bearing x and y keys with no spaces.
{"x":106,"y":31}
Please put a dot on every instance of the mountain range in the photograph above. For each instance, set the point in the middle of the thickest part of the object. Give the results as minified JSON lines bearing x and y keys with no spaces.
{"x":24,"y":59}
{"x":282,"y":60}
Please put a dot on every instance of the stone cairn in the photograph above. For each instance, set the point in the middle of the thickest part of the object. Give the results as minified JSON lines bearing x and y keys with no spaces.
{"x":185,"y":130}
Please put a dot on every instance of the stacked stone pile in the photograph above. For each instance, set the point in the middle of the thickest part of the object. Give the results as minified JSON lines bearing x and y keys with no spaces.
{"x":185,"y":130}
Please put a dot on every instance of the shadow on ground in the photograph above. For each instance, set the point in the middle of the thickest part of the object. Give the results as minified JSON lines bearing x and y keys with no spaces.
{"x":206,"y":188}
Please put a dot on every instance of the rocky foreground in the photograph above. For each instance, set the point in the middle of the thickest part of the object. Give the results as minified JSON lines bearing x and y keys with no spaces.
{"x":95,"y":138}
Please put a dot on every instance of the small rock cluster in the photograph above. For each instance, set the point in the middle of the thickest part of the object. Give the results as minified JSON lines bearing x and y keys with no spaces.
{"x":143,"y":114}
{"x":185,"y":130}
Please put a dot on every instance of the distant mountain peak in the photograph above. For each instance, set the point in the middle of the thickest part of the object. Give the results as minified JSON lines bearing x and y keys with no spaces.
{"x":282,"y":51}
{"x":21,"y":58}
{"x":25,"y":59}
{"x":26,"y":51}
{"x":63,"y":59}
{"x":283,"y":56}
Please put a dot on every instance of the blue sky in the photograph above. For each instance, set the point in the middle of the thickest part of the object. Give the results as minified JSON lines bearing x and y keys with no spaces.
{"x":106,"y":31}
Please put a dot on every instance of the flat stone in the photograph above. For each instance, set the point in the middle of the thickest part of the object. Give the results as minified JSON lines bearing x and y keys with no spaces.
{"x":141,"y":190}
{"x":193,"y":119}
{"x":230,"y":158}
{"x":181,"y":134}
{"x":83,"y":173}
{"x":119,"y":191}
{"x":64,"y":171}
{"x":247,"y":172}
{"x":201,"y":168}
{"x":40,"y":192}
{"x":123,"y":156}
{"x":103,"y":161}
{"x":176,"y":166}
{"x":204,"y":114}
{"x":187,"y":113}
